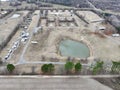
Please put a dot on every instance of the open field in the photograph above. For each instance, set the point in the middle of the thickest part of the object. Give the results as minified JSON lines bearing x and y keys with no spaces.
{"x":48,"y":28}
{"x":33,"y":35}
{"x":8,"y":27}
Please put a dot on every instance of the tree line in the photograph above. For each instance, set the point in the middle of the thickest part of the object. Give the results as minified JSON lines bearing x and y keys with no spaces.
{"x":71,"y":67}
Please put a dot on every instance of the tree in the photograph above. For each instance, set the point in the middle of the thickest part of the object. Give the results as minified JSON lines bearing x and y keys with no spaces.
{"x":97,"y":67}
{"x":44,"y":68}
{"x":10,"y":67}
{"x":50,"y":68}
{"x":69,"y":66}
{"x":47,"y":68}
{"x":78,"y":67}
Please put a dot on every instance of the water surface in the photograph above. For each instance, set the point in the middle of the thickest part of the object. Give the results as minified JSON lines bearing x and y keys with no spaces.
{"x":74,"y":49}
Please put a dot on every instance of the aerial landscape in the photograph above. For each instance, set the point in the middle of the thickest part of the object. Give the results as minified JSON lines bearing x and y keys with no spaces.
{"x":60,"y":44}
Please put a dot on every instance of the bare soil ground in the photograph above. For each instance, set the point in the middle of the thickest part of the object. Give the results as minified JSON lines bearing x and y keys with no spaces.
{"x":113,"y":83}
{"x":104,"y":48}
{"x":48,"y":42}
{"x":5,"y":33}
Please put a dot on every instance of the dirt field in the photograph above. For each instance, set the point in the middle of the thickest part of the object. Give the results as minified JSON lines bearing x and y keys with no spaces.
{"x":9,"y":25}
{"x":89,"y":16}
{"x":45,"y":48}
{"x":47,"y":43}
{"x":104,"y":48}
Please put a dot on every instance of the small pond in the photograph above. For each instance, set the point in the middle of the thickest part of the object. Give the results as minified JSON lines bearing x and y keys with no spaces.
{"x":71,"y":48}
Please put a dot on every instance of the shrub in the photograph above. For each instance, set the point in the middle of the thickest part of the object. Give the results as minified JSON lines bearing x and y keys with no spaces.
{"x":47,"y":68}
{"x":98,"y":67}
{"x":78,"y":67}
{"x":50,"y":68}
{"x":44,"y":68}
{"x":10,"y":67}
{"x":115,"y":66}
{"x":69,"y":66}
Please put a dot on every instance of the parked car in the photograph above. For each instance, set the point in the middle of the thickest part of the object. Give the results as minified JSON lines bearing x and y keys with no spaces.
{"x":115,"y":35}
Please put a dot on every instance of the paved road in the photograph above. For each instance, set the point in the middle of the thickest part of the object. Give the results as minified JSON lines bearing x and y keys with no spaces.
{"x":91,"y":5}
{"x":50,"y":83}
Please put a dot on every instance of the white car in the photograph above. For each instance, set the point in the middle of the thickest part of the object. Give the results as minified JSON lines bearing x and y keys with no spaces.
{"x":10,"y":51}
{"x":23,"y":40}
{"x":16,"y":43}
{"x":27,"y":34}
{"x":115,"y":35}
{"x":14,"y":46}
{"x":6,"y":57}
{"x":25,"y":27}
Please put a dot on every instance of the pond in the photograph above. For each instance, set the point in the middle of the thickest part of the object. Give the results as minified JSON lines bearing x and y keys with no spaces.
{"x":75,"y":49}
